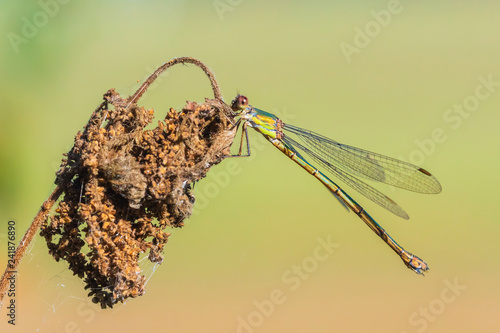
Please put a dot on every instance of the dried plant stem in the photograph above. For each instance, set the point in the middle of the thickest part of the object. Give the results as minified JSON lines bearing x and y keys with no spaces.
{"x":182,"y":60}
{"x":42,"y":215}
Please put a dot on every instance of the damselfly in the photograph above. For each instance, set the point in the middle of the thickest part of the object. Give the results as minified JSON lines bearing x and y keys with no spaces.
{"x":345,"y":162}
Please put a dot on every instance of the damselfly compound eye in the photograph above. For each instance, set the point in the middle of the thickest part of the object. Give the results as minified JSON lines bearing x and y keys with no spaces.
{"x":239,"y":103}
{"x":243,"y":101}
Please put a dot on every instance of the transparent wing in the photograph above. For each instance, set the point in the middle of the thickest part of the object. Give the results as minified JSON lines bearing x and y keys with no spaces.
{"x":290,"y":145}
{"x":360,"y":186}
{"x":364,"y":163}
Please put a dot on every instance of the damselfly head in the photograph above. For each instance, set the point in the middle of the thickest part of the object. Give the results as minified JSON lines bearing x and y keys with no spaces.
{"x":239,"y":103}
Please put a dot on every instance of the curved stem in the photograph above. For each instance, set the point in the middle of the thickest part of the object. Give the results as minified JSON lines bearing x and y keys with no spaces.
{"x":142,"y":89}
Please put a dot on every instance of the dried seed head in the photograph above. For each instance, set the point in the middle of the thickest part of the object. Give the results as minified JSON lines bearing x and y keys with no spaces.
{"x":120,"y":166}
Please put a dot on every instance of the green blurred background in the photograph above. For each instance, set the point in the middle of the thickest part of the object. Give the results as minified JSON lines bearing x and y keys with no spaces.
{"x":384,"y":76}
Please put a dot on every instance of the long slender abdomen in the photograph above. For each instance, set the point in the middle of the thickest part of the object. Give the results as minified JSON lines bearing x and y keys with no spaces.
{"x":411,"y":261}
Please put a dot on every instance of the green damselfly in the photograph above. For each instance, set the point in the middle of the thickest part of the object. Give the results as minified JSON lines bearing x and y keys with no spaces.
{"x":345,"y":162}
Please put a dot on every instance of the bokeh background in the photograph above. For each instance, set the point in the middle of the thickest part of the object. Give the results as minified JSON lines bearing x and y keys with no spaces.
{"x":404,"y":78}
